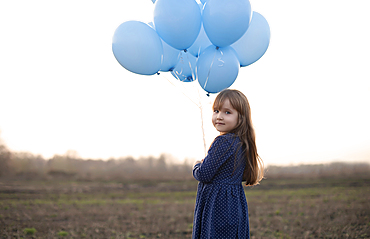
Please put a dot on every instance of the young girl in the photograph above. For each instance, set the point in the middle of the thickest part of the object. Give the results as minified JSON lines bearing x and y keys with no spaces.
{"x":221,"y":209}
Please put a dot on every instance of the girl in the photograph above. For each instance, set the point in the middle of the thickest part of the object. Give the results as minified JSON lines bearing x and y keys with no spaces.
{"x":221,"y":209}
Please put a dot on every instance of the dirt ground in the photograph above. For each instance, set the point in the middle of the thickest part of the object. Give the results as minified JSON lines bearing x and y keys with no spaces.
{"x":278,"y":208}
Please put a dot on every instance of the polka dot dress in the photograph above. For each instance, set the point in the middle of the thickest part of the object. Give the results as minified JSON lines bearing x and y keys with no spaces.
{"x":221,"y":209}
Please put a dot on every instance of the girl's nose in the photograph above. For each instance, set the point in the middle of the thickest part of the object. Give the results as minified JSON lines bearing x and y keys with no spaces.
{"x":219,"y":116}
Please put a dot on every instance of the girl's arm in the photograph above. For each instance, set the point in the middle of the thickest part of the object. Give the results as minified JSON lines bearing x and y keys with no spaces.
{"x":197,"y":162}
{"x":219,"y":152}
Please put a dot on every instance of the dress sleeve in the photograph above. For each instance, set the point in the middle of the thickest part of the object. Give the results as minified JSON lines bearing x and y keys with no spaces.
{"x":218,"y":153}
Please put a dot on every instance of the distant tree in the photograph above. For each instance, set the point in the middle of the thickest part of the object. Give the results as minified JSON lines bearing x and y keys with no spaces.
{"x":5,"y":159}
{"x":146,"y":163}
{"x":64,"y":163}
{"x":25,"y":162}
{"x":161,"y":163}
{"x":128,"y":164}
{"x":72,"y":154}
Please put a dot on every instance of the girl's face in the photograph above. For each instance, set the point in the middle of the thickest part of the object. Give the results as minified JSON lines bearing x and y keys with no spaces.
{"x":226,"y":118}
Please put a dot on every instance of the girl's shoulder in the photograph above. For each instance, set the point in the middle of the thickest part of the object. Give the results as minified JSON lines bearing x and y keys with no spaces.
{"x":228,"y":138}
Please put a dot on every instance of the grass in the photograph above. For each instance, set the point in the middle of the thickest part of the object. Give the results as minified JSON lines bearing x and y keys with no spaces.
{"x":279,"y":208}
{"x":62,"y":233}
{"x":328,"y":211}
{"x":29,"y":231}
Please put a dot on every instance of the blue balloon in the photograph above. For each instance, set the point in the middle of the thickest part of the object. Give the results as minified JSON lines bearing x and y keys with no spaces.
{"x":254,"y":43}
{"x":177,"y":22}
{"x":202,"y":41}
{"x":185,"y":68}
{"x":138,"y":48}
{"x":170,"y":55}
{"x":217,"y":68}
{"x":226,"y":21}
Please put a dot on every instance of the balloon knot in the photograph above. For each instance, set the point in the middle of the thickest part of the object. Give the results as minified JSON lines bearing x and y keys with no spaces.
{"x":217,"y":48}
{"x":185,"y":50}
{"x":158,"y":73}
{"x":208,"y":94}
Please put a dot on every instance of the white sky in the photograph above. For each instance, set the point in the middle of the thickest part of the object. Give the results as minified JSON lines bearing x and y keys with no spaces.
{"x":62,"y":89}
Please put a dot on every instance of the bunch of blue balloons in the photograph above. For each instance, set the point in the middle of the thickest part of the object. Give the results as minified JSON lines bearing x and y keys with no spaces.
{"x":207,"y":42}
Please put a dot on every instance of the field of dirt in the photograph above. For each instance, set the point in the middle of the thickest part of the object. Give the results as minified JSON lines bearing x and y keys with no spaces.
{"x":278,"y":208}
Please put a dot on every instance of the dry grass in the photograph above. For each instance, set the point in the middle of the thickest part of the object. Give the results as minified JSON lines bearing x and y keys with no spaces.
{"x":69,"y":197}
{"x":279,"y":208}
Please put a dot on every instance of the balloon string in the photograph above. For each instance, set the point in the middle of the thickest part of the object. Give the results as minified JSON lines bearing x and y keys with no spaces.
{"x":191,"y":69}
{"x":180,"y":90}
{"x":177,"y":73}
{"x":204,"y":136}
{"x":209,"y":71}
{"x":198,"y":105}
{"x":202,"y":121}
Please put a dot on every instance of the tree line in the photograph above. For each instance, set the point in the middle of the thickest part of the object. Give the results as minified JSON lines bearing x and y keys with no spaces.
{"x":70,"y":165}
{"x":25,"y":165}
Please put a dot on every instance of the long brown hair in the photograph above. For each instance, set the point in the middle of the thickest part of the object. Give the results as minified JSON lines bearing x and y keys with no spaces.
{"x":253,"y":172}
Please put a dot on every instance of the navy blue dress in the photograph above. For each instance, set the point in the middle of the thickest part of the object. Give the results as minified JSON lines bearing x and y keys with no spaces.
{"x":221,"y":209}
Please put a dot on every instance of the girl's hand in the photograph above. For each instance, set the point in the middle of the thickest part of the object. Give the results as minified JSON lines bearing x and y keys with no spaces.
{"x":198,"y":161}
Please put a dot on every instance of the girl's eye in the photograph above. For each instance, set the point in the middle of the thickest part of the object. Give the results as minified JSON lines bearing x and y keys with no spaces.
{"x":216,"y":111}
{"x":227,"y":112}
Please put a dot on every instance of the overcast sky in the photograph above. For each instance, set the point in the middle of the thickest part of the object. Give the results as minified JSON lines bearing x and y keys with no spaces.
{"x":62,"y":89}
